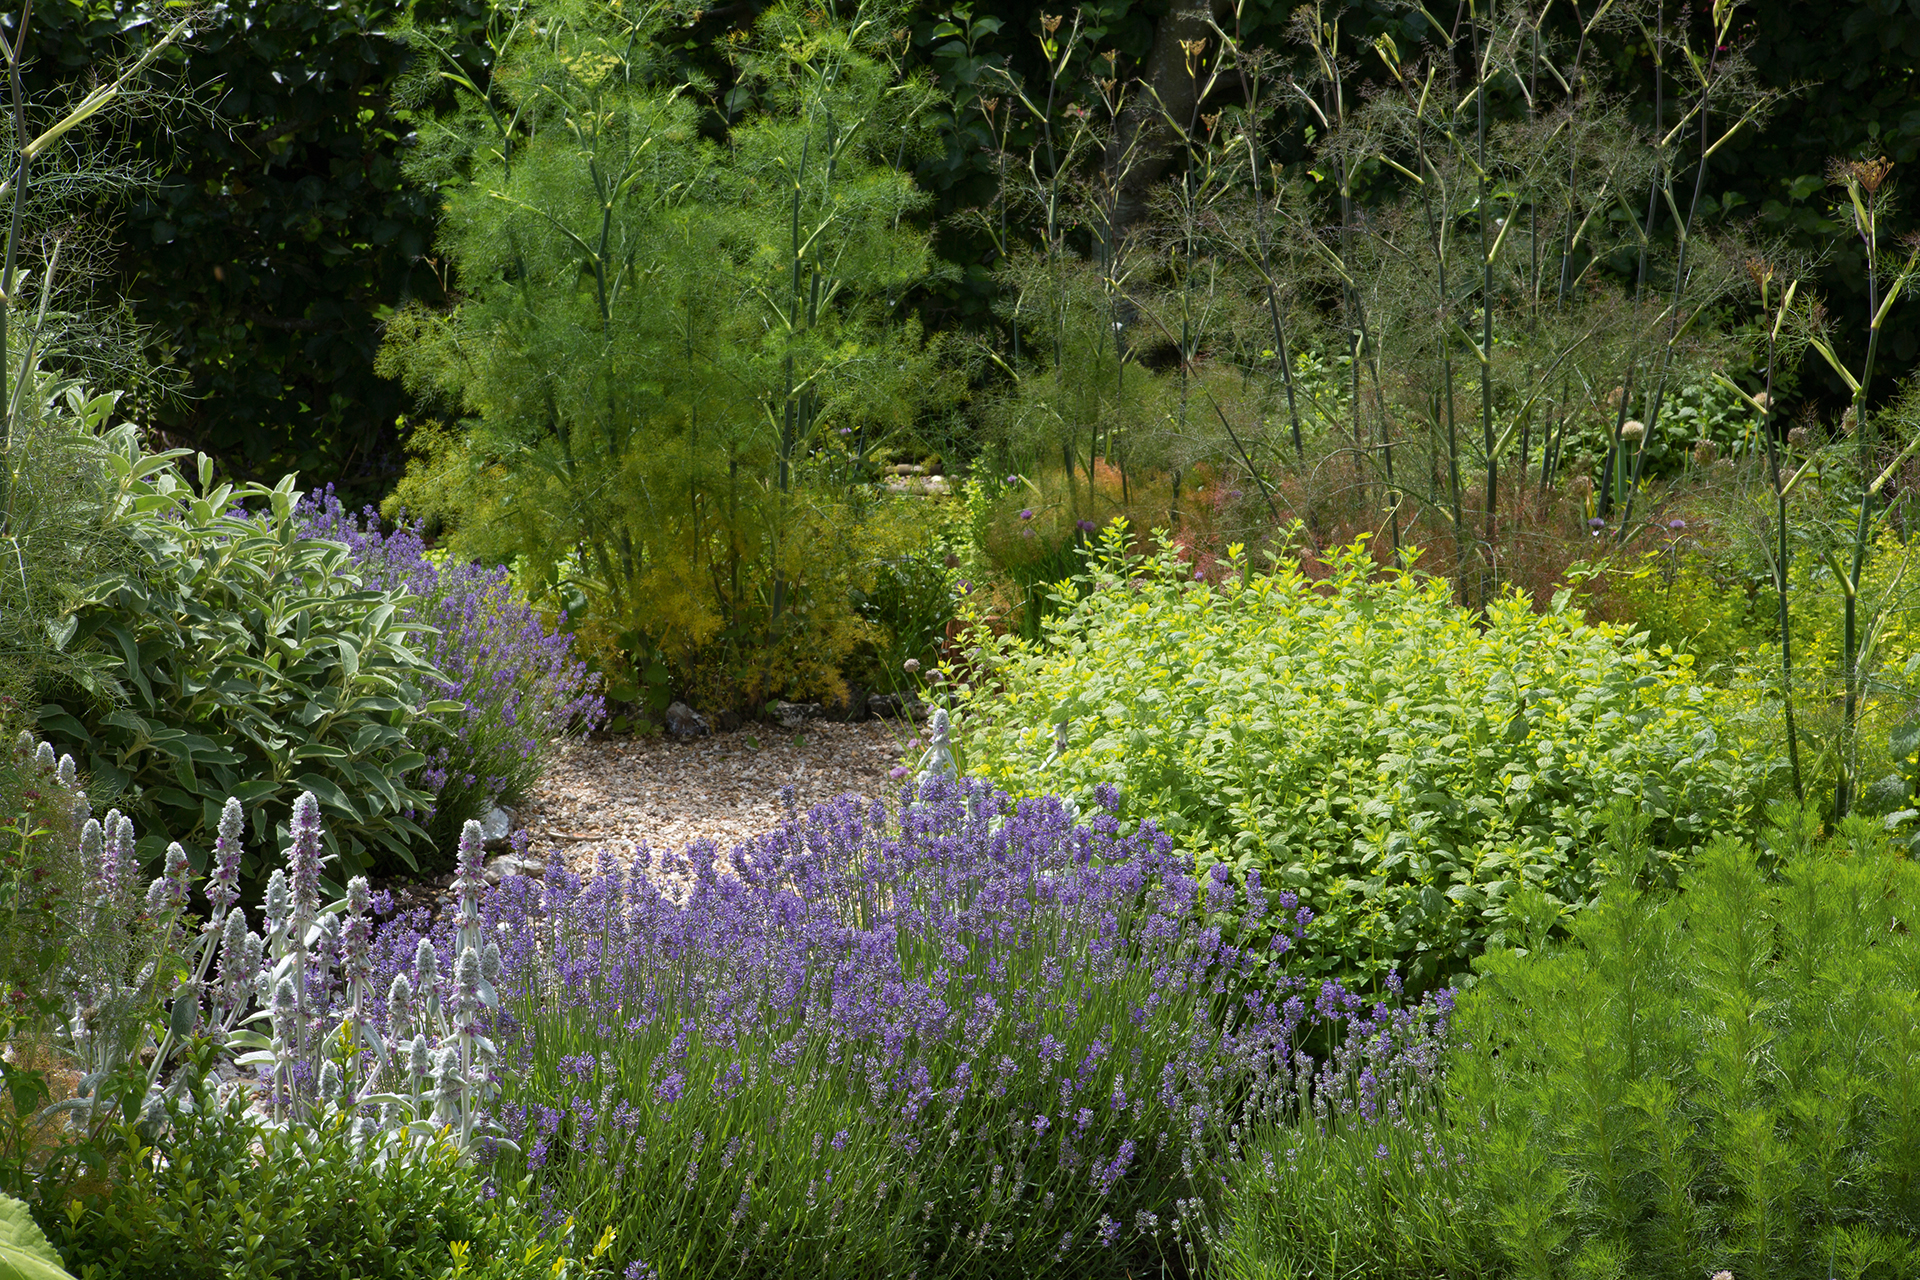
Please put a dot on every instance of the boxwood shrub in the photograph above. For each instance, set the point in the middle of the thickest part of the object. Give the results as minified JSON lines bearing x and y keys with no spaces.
{"x":1397,"y":761}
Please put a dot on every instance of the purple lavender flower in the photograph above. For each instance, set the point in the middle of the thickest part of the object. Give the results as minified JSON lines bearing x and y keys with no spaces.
{"x":514,"y":673}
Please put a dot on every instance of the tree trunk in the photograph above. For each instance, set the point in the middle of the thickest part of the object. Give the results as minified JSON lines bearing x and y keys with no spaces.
{"x":1168,"y":86}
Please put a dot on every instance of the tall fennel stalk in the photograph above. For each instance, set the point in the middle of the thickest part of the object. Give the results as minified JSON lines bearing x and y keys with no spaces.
{"x":1867,"y":196}
{"x":1707,"y":71}
{"x":1778,"y":559}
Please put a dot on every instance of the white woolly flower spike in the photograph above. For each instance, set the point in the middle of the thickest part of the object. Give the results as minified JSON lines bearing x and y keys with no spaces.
{"x":65,"y":773}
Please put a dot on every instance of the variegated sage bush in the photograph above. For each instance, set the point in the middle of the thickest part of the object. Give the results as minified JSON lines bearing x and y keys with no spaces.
{"x":1398,"y":762}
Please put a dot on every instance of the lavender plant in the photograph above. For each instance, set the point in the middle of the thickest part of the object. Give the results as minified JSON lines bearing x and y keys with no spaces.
{"x":999,"y":1042}
{"x":515,"y":675}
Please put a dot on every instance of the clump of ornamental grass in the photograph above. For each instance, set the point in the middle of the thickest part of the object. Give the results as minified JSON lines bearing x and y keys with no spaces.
{"x":514,"y":674}
{"x":996,"y":1040}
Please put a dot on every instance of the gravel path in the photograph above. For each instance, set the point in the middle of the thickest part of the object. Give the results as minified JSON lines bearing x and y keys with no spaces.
{"x":616,"y":793}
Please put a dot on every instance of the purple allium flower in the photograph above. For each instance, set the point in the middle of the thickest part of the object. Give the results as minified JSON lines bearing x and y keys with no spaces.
{"x":1676,"y":524}
{"x":1013,"y":479}
{"x":1026,"y":513}
{"x":1596,"y":524}
{"x":1084,"y":526}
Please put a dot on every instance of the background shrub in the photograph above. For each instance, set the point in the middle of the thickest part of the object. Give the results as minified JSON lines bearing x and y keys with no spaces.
{"x":247,"y":661}
{"x":1398,"y":762}
{"x":515,"y":676}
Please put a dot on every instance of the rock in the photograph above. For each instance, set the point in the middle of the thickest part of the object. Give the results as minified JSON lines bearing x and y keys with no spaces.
{"x":882,"y":705}
{"x":791,"y":715}
{"x":850,"y":709}
{"x":684,"y":722}
{"x":496,"y":829}
{"x":507,"y":864}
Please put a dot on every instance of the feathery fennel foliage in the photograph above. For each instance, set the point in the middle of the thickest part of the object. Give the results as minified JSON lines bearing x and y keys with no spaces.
{"x":671,"y":352}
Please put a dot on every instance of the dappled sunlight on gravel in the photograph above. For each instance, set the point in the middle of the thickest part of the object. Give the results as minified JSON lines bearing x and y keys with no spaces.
{"x":614,"y":793}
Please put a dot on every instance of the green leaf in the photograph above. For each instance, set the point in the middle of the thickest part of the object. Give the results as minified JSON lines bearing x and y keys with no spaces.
{"x":25,"y":1253}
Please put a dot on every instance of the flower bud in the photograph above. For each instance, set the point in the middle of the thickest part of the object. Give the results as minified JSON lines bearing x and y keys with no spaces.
{"x":419,"y":1057}
{"x":65,"y":774}
{"x":399,"y":1007}
{"x":426,"y":967}
{"x":1633,"y":429}
{"x":331,"y":1083}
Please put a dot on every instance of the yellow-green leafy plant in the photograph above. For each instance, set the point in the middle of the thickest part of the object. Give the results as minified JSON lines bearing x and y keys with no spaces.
{"x":1401,"y":764}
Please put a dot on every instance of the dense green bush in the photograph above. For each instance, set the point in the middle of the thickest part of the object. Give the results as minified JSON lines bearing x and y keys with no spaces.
{"x":220,"y":1197}
{"x":1398,"y":762}
{"x":1723,"y":1077}
{"x":248,"y":664}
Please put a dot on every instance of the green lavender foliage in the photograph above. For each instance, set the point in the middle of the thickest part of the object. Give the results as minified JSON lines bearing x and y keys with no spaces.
{"x":1401,"y":764}
{"x":1723,"y":1077}
{"x":243,"y":660}
{"x":219,"y":1197}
